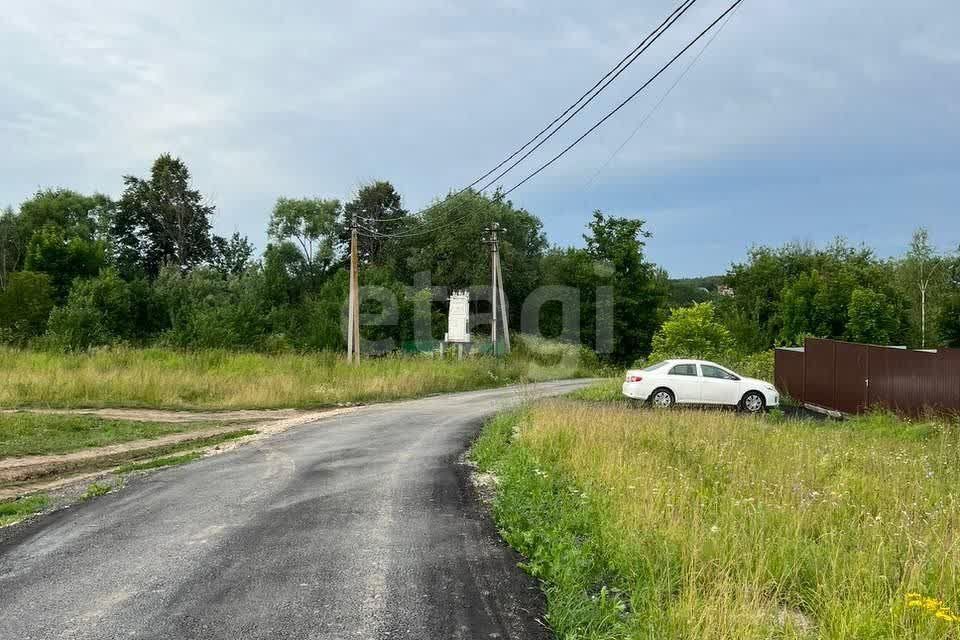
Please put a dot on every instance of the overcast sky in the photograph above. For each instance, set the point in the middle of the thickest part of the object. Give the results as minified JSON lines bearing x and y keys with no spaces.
{"x":801,"y":121}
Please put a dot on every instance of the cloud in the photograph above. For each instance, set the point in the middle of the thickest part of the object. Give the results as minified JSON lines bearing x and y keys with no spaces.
{"x":314,"y":98}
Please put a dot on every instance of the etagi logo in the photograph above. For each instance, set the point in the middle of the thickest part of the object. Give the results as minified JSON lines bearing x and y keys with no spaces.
{"x":416,"y":309}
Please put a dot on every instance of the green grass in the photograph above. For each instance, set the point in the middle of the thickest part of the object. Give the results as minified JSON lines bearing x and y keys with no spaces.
{"x":700,"y":524}
{"x":158,"y":463}
{"x":159,"y":378}
{"x":96,"y":490}
{"x":13,"y":511}
{"x":603,"y":391}
{"x":25,"y":434}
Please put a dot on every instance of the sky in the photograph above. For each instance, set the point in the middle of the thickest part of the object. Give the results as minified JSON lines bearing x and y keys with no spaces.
{"x":801,"y":121}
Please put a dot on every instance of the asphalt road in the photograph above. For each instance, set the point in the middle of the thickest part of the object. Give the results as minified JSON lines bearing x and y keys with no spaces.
{"x":363,"y":526}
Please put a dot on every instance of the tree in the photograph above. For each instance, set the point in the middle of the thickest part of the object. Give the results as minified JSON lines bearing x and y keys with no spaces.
{"x":692,"y":332}
{"x":64,"y":256}
{"x":75,"y":213}
{"x":379,"y":211}
{"x":949,"y":322}
{"x":311,"y":223}
{"x":161,"y":219}
{"x":872,"y":317}
{"x":231,"y":256}
{"x":923,"y":266}
{"x":11,"y":245}
{"x":25,"y":304}
{"x":639,"y":289}
{"x":446,"y":244}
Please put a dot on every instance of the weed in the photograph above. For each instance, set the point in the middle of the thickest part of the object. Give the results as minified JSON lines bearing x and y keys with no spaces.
{"x":24,"y":434}
{"x":157,"y":463}
{"x":12,"y":511}
{"x":121,"y":377}
{"x":689,"y":524}
{"x":96,"y":489}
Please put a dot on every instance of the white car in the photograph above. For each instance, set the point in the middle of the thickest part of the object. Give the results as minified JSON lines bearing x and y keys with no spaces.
{"x":698,"y":382}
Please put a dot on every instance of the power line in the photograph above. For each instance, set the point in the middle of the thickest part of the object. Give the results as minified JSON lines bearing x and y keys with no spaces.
{"x":629,"y":59}
{"x":579,"y":105}
{"x":660,"y":102}
{"x":625,"y":102}
{"x":650,"y":41}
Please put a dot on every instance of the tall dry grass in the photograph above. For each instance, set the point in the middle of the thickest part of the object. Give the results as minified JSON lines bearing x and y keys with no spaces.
{"x":718,"y":525}
{"x":213,"y":379}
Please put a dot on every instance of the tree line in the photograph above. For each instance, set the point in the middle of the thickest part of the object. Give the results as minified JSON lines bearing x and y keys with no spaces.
{"x":780,"y":295}
{"x":80,"y":271}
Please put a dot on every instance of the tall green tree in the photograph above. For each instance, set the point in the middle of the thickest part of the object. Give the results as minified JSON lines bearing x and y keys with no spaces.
{"x":925,"y":272}
{"x":445,"y":242}
{"x":77,"y":214}
{"x":310,"y":224}
{"x":65,"y":256}
{"x":161,"y":219}
{"x":380,"y":212}
{"x":640,"y":290}
{"x":872,"y":318}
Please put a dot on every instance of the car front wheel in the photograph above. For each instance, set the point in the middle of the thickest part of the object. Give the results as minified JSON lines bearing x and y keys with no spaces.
{"x":753,"y":402}
{"x":662,"y":399}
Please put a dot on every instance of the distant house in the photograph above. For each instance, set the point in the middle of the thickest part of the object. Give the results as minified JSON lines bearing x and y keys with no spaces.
{"x":725,"y":290}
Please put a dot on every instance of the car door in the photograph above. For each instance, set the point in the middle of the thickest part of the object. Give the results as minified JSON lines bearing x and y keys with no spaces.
{"x":685,"y":382}
{"x":718,"y":386}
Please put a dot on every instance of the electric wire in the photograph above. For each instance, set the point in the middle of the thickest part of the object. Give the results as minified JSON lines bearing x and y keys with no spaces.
{"x":624,"y":103}
{"x":664,"y":68}
{"x":591,"y":94}
{"x":670,"y":22}
{"x":659,"y":103}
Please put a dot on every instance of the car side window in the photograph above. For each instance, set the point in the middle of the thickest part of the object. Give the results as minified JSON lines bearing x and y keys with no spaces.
{"x":684,"y":370}
{"x":715,"y":372}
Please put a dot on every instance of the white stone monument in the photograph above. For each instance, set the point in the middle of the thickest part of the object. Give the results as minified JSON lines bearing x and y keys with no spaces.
{"x":458,"y":321}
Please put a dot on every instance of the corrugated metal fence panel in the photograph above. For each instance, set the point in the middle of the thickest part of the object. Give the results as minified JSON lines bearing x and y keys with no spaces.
{"x":911,"y":382}
{"x":949,"y":378}
{"x":851,"y":377}
{"x":835,"y":375}
{"x":788,"y":373}
{"x":878,"y":389}
{"x":819,"y":376}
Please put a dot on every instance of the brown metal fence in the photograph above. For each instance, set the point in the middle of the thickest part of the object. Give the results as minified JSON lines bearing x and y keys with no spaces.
{"x":853,"y":378}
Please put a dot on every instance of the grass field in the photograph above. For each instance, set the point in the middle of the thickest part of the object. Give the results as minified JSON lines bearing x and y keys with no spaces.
{"x":25,"y":434}
{"x":688,"y":524}
{"x":227,"y":380}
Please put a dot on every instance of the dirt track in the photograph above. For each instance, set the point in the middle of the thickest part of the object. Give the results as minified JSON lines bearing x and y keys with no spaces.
{"x":31,"y":473}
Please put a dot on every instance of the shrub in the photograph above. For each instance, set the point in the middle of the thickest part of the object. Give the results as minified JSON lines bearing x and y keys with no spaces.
{"x":692,"y":332}
{"x":99,"y":311}
{"x":24,"y":306}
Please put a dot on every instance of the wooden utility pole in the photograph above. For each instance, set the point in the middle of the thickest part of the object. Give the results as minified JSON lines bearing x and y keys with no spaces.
{"x":353,"y":314}
{"x":503,"y":305}
{"x":497,"y":296}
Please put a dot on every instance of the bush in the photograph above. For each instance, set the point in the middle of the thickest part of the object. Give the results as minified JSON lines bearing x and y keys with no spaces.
{"x":25,"y":306}
{"x":692,"y":332}
{"x":210,"y":310}
{"x":99,"y":311}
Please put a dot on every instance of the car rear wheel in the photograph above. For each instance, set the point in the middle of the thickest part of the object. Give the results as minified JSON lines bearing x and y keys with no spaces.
{"x":662,"y":399}
{"x":753,"y":402}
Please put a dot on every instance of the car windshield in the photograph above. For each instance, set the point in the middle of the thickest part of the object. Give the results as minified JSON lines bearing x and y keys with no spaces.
{"x":654,"y":367}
